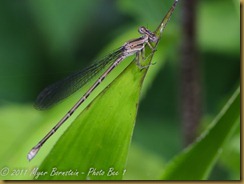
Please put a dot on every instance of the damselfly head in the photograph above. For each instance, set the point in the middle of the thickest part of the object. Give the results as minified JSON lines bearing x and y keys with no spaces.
{"x":144,"y":31}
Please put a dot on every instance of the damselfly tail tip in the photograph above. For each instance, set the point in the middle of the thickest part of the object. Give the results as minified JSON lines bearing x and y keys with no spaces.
{"x":32,"y":153}
{"x":176,"y":1}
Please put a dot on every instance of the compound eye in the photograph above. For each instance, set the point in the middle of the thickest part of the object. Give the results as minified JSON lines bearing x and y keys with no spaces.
{"x":141,"y":30}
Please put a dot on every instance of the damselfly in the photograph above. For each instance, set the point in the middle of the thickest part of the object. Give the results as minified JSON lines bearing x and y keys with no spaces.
{"x":62,"y":89}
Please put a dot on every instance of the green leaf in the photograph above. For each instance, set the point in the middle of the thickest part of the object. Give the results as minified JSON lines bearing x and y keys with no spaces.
{"x":230,"y":159}
{"x":15,"y":120}
{"x":196,"y":162}
{"x":100,"y":137}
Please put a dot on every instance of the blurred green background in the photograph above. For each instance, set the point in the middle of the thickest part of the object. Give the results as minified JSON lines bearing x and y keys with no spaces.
{"x":43,"y":41}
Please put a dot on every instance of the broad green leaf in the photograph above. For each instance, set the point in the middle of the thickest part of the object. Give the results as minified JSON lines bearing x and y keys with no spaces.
{"x":230,"y":159}
{"x":14,"y":121}
{"x":96,"y":145}
{"x":197,"y":161}
{"x":99,"y":138}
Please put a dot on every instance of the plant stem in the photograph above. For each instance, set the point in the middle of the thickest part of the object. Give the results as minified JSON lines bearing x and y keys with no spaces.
{"x":190,"y":79}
